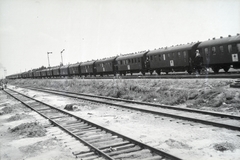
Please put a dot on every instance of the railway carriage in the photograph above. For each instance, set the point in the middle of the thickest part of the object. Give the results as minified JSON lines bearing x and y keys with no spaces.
{"x":133,"y":63}
{"x":74,"y":69}
{"x":64,"y":71}
{"x":43,"y":73}
{"x":36,"y":74}
{"x":106,"y":66}
{"x":30,"y":74}
{"x":56,"y":71}
{"x":221,"y":53}
{"x":49,"y":72}
{"x":88,"y":68}
{"x":177,"y":58}
{"x":24,"y":75}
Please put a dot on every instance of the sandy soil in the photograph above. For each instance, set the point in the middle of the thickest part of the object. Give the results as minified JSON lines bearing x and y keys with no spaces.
{"x":14,"y":146}
{"x":180,"y":138}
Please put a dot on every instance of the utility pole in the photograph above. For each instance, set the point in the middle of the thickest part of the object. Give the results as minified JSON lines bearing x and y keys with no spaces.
{"x":5,"y":73}
{"x":48,"y":59}
{"x":61,"y":55}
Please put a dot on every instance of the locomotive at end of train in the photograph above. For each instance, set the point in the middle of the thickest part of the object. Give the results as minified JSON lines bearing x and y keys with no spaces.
{"x":221,"y":53}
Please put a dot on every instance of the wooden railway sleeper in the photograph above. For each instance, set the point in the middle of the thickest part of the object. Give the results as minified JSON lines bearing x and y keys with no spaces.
{"x":127,"y":150}
{"x":77,"y":126}
{"x":132,"y":155}
{"x":97,"y":136}
{"x":74,"y":124}
{"x":86,"y":155}
{"x":110,"y":149}
{"x":117,"y":144}
{"x":109,"y":143}
{"x":93,"y":130}
{"x":102,"y":139}
{"x":86,"y":130}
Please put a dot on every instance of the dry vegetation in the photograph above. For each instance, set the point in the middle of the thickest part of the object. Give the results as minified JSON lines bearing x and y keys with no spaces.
{"x":212,"y":94}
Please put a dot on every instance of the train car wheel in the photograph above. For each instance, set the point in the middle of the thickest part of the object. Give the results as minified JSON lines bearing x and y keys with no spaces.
{"x":215,"y":69}
{"x":158,"y":72}
{"x":226,"y":68}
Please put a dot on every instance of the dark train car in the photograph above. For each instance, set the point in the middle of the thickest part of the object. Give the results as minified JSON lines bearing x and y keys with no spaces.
{"x":88,"y":68}
{"x":43,"y":73}
{"x":64,"y":71}
{"x":49,"y":72}
{"x":36,"y":74}
{"x":221,"y":53}
{"x":106,"y":66}
{"x":176,"y":58}
{"x":74,"y":69}
{"x":132,"y":63}
{"x":30,"y":74}
{"x":56,"y":71}
{"x":24,"y":75}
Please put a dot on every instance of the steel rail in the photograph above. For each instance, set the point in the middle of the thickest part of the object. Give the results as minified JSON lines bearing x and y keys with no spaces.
{"x":152,"y":112}
{"x":142,"y":145}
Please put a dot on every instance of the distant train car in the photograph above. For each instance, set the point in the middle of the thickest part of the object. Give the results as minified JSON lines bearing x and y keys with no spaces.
{"x":36,"y":74}
{"x":56,"y":71}
{"x":106,"y":66}
{"x":43,"y":73}
{"x":30,"y":74}
{"x":64,"y":71}
{"x":176,"y":58}
{"x":24,"y":75}
{"x":74,"y":69}
{"x":221,"y":53}
{"x":133,"y":63}
{"x":88,"y":68}
{"x":49,"y":72}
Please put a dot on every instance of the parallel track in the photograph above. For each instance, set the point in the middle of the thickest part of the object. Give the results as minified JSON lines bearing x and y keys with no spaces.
{"x":102,"y":141}
{"x":199,"y":116}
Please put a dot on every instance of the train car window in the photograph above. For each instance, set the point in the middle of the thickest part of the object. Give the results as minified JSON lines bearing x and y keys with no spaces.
{"x":169,"y":55}
{"x":214,"y":50}
{"x":132,"y":60}
{"x":229,"y":48}
{"x":139,"y":60}
{"x":184,"y":54}
{"x":151,"y":58}
{"x":206,"y":51}
{"x":164,"y":57}
{"x":221,"y":49}
{"x":173,"y":55}
{"x":179,"y":54}
{"x":155,"y":57}
{"x":238,"y":47}
{"x":159,"y":56}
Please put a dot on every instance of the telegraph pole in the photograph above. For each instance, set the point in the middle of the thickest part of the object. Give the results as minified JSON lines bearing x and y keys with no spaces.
{"x":61,"y":55}
{"x":48,"y":59}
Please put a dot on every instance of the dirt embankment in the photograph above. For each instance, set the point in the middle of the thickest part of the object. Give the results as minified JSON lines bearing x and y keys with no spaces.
{"x":210,"y":94}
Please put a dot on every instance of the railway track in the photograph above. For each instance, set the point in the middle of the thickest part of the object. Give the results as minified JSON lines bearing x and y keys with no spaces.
{"x":193,"y":115}
{"x":103,"y":143}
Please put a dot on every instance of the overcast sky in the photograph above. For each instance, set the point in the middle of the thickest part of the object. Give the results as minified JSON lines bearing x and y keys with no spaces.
{"x":95,"y":29}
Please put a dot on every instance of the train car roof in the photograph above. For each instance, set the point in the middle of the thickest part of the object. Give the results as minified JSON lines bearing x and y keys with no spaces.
{"x":64,"y":67}
{"x":87,"y":63}
{"x":74,"y":65}
{"x":174,"y":48}
{"x":55,"y":67}
{"x":220,"y":41}
{"x":141,"y":54}
{"x":106,"y":60}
